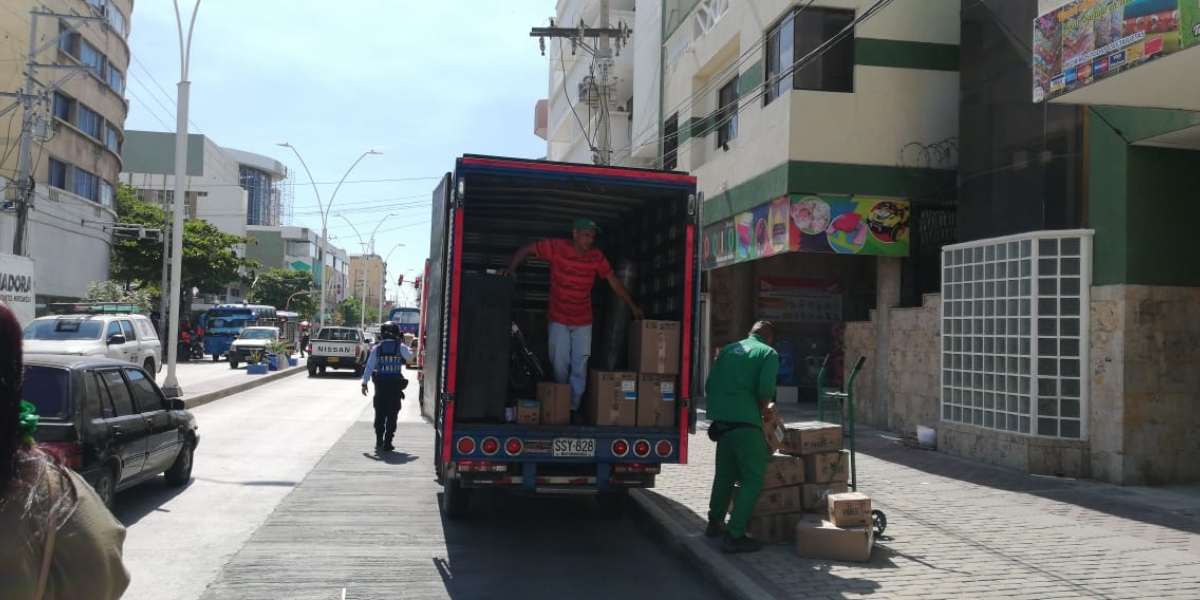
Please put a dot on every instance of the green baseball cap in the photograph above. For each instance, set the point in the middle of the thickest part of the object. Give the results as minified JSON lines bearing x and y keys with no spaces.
{"x":585,"y":224}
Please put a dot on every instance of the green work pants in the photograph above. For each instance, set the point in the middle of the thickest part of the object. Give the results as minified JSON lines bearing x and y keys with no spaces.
{"x":741,"y":454}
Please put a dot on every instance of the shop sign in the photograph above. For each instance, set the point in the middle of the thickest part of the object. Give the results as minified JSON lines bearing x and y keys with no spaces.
{"x":1083,"y":41}
{"x":17,"y":288}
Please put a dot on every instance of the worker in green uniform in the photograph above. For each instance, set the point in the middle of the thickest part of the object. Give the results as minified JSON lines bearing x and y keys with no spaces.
{"x":739,"y":390}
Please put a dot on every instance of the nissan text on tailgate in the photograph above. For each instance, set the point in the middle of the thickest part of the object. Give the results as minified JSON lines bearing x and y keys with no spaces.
{"x":337,"y":348}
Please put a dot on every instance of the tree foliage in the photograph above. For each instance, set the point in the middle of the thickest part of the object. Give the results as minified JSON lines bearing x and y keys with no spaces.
{"x":115,"y":291}
{"x":210,"y":257}
{"x":277,"y":285}
{"x":348,"y":311}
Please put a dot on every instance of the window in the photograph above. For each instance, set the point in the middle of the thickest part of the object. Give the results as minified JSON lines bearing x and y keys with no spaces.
{"x":121,"y":399}
{"x":114,"y":328}
{"x":57,"y":176}
{"x":106,"y":194}
{"x":144,"y":391}
{"x":116,"y":79}
{"x":671,"y":142}
{"x":797,"y":38}
{"x":66,"y":39}
{"x":91,"y":58}
{"x":112,"y":139}
{"x":90,"y":122}
{"x":63,"y":107}
{"x":727,"y":113}
{"x":99,"y":390}
{"x":47,"y":388}
{"x":86,"y":185}
{"x":1015,"y":333}
{"x":127,"y":329}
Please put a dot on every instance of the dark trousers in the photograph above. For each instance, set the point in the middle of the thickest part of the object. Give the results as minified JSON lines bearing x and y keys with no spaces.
{"x":387,"y":408}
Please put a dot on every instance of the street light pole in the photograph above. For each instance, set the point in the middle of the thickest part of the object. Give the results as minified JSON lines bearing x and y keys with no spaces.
{"x":171,"y":386}
{"x":324,"y":218}
{"x":362,"y":311}
{"x":383,"y":290}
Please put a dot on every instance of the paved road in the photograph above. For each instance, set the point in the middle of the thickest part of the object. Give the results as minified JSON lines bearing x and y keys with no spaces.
{"x":290,"y":501}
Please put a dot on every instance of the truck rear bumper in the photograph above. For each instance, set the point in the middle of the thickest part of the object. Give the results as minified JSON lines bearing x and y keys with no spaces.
{"x":527,"y":478}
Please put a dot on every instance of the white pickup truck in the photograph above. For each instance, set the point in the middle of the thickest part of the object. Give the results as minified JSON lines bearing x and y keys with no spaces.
{"x":337,"y":348}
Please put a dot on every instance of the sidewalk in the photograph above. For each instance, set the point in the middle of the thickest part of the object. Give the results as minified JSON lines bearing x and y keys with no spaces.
{"x":204,"y":381}
{"x":956,"y":529}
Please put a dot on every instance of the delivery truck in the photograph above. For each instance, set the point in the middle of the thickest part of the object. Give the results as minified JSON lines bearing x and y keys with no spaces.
{"x":486,"y":381}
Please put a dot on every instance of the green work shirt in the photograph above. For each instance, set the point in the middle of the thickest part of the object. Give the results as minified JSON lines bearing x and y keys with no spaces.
{"x":743,"y":373}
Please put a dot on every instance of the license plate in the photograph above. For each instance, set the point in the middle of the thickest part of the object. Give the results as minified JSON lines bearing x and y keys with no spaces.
{"x":574,"y":447}
{"x":332,"y":359}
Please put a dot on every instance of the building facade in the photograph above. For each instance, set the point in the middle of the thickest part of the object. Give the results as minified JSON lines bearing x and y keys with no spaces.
{"x":299,"y":248}
{"x":368,"y":277}
{"x":75,"y":129}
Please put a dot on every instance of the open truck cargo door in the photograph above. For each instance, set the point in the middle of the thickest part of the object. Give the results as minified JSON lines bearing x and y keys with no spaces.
{"x":435,"y":327}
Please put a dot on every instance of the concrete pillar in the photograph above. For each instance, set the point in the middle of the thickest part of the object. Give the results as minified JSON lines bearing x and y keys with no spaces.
{"x":887,"y":297}
{"x":741,"y":299}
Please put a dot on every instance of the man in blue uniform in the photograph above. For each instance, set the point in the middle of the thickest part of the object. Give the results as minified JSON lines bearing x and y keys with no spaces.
{"x":385,"y":366}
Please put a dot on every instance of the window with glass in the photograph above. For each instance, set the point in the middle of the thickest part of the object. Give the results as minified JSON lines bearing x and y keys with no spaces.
{"x":90,"y":122}
{"x":112,"y":139}
{"x":795,"y":58}
{"x":66,"y":38}
{"x":57,"y":174}
{"x":91,"y":58}
{"x":671,"y":142}
{"x":63,"y":106}
{"x":116,"y":79}
{"x":106,"y":194}
{"x":727,"y":113}
{"x":122,"y":400}
{"x":86,"y":185}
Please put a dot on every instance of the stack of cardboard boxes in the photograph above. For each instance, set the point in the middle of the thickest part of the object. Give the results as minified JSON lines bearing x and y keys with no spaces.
{"x":645,"y":395}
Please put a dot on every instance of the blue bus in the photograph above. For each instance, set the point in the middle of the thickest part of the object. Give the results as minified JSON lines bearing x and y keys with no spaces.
{"x":224,"y":322}
{"x":407,"y":317}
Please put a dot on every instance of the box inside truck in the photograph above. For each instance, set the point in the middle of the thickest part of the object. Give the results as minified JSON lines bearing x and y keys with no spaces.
{"x":643,"y":234}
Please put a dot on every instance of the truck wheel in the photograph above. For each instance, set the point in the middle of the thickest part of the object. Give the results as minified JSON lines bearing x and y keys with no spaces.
{"x":312,"y":370}
{"x":610,"y":504}
{"x":216,"y":357}
{"x":456,"y":500}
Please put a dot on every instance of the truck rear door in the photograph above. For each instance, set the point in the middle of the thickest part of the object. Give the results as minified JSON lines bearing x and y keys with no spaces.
{"x":436,"y":384}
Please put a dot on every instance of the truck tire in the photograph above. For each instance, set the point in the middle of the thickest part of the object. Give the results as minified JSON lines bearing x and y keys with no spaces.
{"x":611,"y":503}
{"x":216,"y":357}
{"x":312,"y":370}
{"x":456,"y":500}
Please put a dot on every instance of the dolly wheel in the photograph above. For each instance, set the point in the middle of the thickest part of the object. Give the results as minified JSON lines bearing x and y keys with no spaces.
{"x":878,"y":522}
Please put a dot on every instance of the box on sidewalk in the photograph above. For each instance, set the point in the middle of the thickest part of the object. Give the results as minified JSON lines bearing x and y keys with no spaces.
{"x":770,"y":502}
{"x":556,"y":403}
{"x":612,"y":398}
{"x":774,"y":528}
{"x":813,"y":495}
{"x":656,"y":400}
{"x":783,"y":471}
{"x":827,"y":467}
{"x":822,"y":540}
{"x":529,"y":412}
{"x":851,"y":509}
{"x":774,"y":431}
{"x":811,"y":437}
{"x":654,"y":347}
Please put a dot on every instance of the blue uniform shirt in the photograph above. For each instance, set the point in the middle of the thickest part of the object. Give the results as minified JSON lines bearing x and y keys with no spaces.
{"x":373,"y":358}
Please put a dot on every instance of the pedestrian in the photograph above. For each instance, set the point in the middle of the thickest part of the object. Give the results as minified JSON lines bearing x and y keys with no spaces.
{"x":303,"y":341}
{"x":59,"y":539}
{"x":739,"y":392}
{"x":574,"y":265}
{"x":385,"y":366}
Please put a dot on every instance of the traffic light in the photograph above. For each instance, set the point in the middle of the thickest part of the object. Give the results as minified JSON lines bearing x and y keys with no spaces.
{"x":417,"y":282}
{"x":400,"y":279}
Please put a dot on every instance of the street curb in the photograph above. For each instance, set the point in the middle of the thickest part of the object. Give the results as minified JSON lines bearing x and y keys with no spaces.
{"x":253,"y":382}
{"x":692,"y":547}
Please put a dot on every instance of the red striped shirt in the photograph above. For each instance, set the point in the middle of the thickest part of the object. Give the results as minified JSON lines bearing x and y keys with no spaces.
{"x":572,"y":275}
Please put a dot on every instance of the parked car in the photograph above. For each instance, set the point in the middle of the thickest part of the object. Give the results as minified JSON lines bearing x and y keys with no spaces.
{"x":255,"y":339}
{"x":128,"y":337}
{"x":337,"y":348}
{"x":109,"y":421}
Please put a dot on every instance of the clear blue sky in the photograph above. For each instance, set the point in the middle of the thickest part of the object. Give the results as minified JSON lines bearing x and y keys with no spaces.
{"x":421,"y":80}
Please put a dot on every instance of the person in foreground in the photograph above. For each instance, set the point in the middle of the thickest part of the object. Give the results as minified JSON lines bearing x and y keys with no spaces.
{"x":575,"y":265}
{"x":385,"y":366}
{"x":739,"y":392}
{"x":58,"y":540}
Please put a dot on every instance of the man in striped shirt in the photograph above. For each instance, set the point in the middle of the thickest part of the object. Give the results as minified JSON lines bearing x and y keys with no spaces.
{"x":575,"y":264}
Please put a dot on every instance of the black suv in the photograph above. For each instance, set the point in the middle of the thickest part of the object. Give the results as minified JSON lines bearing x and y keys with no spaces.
{"x":109,"y":421}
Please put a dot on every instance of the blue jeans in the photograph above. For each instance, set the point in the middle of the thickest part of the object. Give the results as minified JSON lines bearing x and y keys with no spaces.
{"x":570,"y":348}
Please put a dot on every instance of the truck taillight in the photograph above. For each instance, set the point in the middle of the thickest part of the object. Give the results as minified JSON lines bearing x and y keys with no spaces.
{"x":513,"y":446}
{"x":69,"y":454}
{"x":490,"y":446}
{"x":663,"y":448}
{"x":641,"y":448}
{"x":620,"y":447}
{"x":466,"y":445}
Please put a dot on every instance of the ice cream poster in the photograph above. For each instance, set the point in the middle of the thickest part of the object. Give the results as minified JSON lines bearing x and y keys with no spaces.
{"x":1085,"y":40}
{"x":850,"y":225}
{"x":718,"y":246}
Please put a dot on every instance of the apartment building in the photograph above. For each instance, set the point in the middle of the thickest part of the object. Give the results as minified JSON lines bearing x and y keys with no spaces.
{"x":300,"y":248}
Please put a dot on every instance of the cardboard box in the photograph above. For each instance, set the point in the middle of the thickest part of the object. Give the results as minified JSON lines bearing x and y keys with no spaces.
{"x":775,"y":528}
{"x":656,"y":400}
{"x":811,"y":437}
{"x":827,"y":467}
{"x":775,"y":432}
{"x":528,"y":412}
{"x":770,"y":502}
{"x":556,"y":403}
{"x":813,"y":495}
{"x":822,"y":540}
{"x":783,"y":471}
{"x":654,"y":347}
{"x":612,"y":399}
{"x":851,"y":509}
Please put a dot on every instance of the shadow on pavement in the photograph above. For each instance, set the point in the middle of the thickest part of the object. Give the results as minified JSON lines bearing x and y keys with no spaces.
{"x":133,"y":504}
{"x":391,"y":458}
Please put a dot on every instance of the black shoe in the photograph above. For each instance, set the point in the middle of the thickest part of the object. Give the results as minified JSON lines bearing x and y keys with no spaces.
{"x":389,"y":447}
{"x":714,"y":529}
{"x":378,"y":443}
{"x":743,"y":544}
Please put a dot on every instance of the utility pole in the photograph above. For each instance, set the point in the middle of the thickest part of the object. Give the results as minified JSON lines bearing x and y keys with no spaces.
{"x":604,"y":62}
